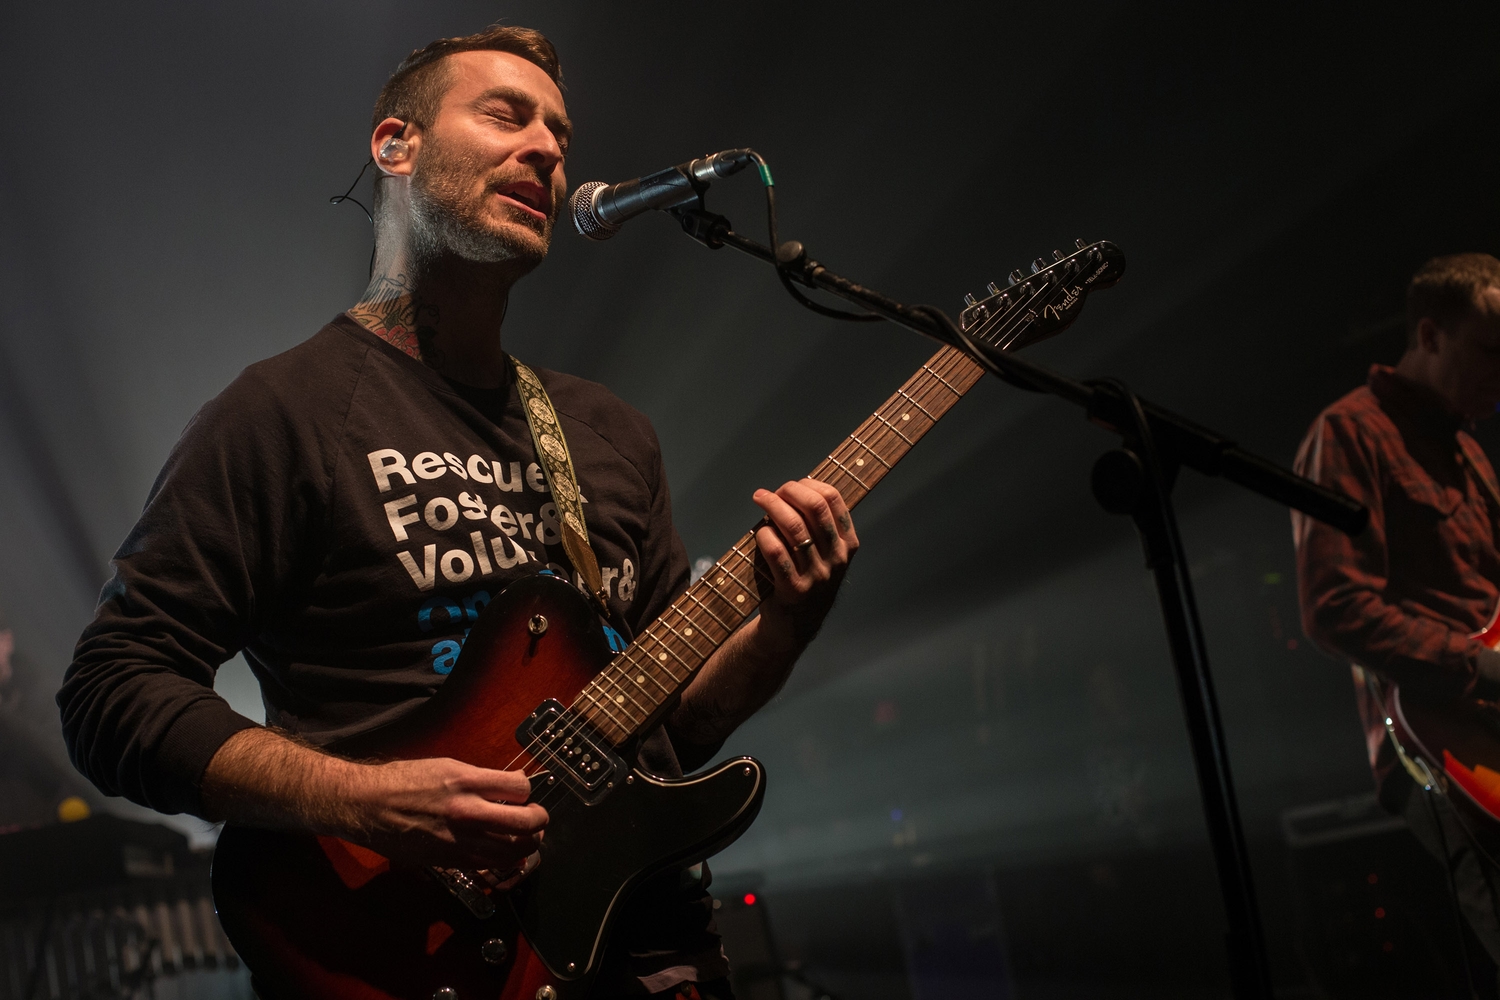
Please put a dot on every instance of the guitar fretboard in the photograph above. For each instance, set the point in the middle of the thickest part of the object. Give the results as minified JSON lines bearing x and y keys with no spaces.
{"x":629,"y":695}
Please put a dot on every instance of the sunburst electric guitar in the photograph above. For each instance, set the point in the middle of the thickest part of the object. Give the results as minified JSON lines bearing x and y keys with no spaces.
{"x":536,"y":687}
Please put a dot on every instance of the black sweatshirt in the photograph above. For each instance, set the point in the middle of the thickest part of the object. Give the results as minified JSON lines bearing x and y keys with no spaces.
{"x":341,"y":514}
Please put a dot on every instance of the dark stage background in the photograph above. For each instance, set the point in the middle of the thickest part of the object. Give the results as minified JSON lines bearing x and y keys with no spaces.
{"x":984,"y":752}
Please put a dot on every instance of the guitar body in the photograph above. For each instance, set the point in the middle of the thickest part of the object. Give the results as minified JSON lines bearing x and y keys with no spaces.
{"x":316,"y":918}
{"x":1461,"y":741}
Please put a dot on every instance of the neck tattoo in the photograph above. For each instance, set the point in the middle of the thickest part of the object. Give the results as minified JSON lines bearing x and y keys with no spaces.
{"x":391,"y":310}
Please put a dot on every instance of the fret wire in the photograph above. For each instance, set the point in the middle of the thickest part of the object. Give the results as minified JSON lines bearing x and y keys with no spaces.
{"x":625,"y":690}
{"x":603,"y":708}
{"x":708,"y":594}
{"x":954,"y":365}
{"x":750,"y":561}
{"x":693,"y":624}
{"x":902,"y":411}
{"x":943,"y":380}
{"x":929,"y":416}
{"x":618,"y":699}
{"x":849,"y":473}
{"x":722,"y":624}
{"x":726,"y":572}
{"x":682,"y":638}
{"x":607,"y":677}
{"x":642,"y":669}
{"x":849,"y":451}
{"x":924,"y":389}
{"x":881,"y":438}
{"x":896,"y":430}
{"x":673,"y":653}
{"x":756,"y":575}
{"x":855,"y":438}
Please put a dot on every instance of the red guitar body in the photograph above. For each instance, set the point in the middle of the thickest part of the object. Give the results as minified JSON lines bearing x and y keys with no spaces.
{"x":1458,"y":741}
{"x":315,"y":918}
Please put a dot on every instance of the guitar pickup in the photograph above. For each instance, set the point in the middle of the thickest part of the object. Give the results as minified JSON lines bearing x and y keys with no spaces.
{"x":567,"y":746}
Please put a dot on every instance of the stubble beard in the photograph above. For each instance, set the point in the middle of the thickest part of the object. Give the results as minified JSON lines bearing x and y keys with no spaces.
{"x":449,"y":219}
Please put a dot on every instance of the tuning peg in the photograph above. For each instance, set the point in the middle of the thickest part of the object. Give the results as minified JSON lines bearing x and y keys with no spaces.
{"x":1016,"y":275}
{"x":1080,"y":244}
{"x":969,"y":299}
{"x":1038,"y":264}
{"x":992,"y":288}
{"x":1058,"y":255}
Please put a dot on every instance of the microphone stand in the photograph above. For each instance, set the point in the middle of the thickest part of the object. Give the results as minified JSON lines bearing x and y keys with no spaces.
{"x":1134,"y":479}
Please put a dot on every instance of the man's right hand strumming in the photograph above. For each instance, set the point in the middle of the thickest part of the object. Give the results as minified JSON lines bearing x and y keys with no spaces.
{"x":438,"y":812}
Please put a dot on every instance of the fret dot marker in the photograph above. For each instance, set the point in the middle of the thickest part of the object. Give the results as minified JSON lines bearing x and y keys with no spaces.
{"x":687,"y":631}
{"x":641,"y":680}
{"x":906,"y":416}
{"x":720,"y":580}
{"x":662,"y":657}
{"x":739,"y":598}
{"x":859,"y":461}
{"x":619,"y":699}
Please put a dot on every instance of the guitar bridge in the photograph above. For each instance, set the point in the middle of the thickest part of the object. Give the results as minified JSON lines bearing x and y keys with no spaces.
{"x":566,"y":745}
{"x":465,"y":890}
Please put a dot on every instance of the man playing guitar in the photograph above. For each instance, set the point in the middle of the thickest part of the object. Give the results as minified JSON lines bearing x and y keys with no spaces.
{"x":1406,"y":600}
{"x":342,"y":512}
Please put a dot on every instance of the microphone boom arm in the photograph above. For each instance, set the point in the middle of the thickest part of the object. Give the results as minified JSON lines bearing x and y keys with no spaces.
{"x":1193,"y":445}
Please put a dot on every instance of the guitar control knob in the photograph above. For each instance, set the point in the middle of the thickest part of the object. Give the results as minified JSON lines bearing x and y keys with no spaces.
{"x":1038,"y":264}
{"x":494,"y":951}
{"x":546,"y":993}
{"x":1080,"y":244}
{"x":992,"y":288}
{"x":446,"y":993}
{"x":969,"y":299}
{"x":1016,"y":275}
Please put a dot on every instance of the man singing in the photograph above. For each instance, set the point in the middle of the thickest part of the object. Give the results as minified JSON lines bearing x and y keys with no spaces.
{"x":342,"y":512}
{"x":1402,"y":600}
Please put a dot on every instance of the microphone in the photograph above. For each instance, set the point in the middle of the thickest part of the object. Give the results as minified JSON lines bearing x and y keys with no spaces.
{"x":599,"y":208}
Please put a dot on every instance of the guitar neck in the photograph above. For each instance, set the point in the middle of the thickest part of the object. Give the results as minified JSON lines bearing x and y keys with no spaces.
{"x":630,"y":695}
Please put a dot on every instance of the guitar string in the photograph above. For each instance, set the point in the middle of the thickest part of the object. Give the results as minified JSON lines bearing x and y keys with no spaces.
{"x":615,"y":690}
{"x":1016,"y":316}
{"x":1018,"y":324}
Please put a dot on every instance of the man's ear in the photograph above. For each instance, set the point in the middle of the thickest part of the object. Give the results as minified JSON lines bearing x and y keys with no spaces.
{"x":393,"y":146}
{"x":1428,"y":333}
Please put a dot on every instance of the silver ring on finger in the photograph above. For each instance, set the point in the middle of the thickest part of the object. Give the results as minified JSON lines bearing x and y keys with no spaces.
{"x":804,"y":545}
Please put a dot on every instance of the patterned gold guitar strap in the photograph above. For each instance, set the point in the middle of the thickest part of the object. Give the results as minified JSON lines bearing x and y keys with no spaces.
{"x":552,"y":451}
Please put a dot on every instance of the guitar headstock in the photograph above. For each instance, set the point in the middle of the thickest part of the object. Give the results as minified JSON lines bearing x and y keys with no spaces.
{"x":1044,"y":302}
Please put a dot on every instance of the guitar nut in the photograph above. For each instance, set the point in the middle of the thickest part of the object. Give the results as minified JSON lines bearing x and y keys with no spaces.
{"x":537,"y":625}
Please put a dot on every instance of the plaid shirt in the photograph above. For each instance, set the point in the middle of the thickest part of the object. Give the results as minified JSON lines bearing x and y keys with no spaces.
{"x":1403,"y":597}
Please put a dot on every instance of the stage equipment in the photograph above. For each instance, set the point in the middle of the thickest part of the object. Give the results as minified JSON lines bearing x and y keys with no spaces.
{"x":599,"y":209}
{"x":1135,"y":479}
{"x":1374,"y":919}
{"x":535,"y":687}
{"x":103,"y":907}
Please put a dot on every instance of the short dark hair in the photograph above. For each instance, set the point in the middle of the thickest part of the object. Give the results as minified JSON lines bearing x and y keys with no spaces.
{"x":1446,"y":289}
{"x":415,"y":91}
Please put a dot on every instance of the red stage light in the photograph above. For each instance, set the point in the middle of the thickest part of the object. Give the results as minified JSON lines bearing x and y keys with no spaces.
{"x":749,"y":899}
{"x":1379,"y":913}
